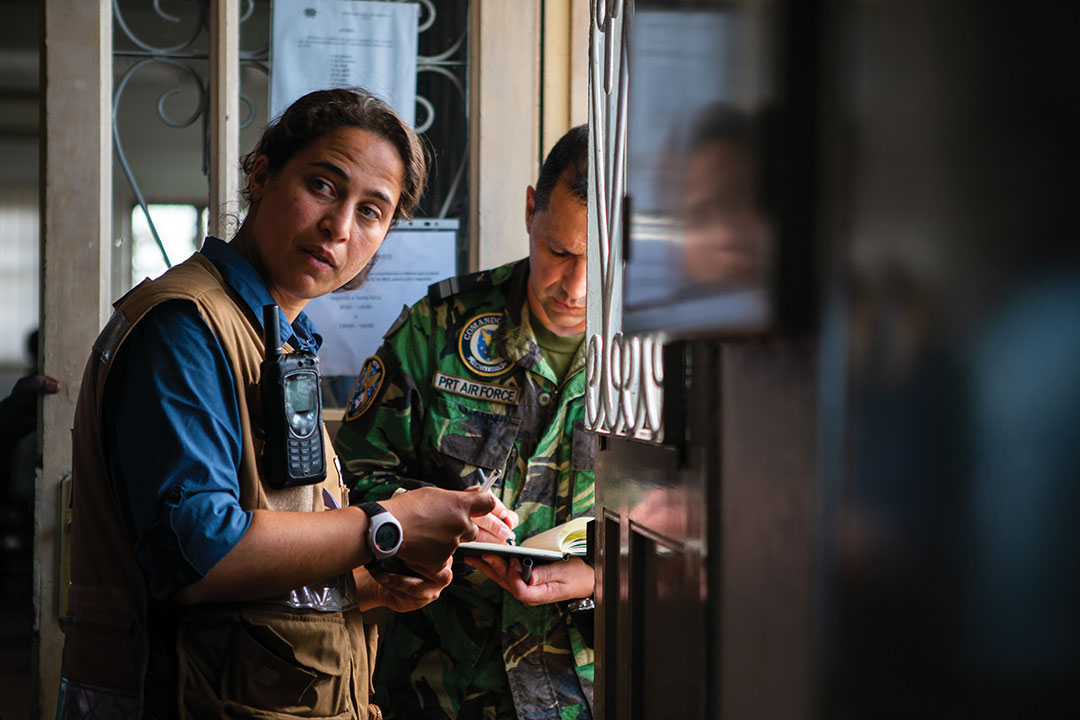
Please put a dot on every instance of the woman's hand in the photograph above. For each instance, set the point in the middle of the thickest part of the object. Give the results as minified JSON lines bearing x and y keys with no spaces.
{"x":550,"y":582}
{"x":400,"y":593}
{"x":433,"y":522}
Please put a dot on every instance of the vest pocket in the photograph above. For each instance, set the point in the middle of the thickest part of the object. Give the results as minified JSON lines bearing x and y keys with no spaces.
{"x":259,"y":661}
{"x":227,"y":710}
{"x":230,"y":710}
{"x":105,"y":645}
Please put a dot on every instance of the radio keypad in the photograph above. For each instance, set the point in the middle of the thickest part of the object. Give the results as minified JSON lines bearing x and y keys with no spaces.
{"x":303,"y":454}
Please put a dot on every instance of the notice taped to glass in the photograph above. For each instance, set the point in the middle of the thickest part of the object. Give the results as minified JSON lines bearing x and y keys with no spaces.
{"x":318,"y":44}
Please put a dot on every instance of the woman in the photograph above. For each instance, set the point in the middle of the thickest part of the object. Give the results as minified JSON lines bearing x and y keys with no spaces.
{"x":197,"y":589}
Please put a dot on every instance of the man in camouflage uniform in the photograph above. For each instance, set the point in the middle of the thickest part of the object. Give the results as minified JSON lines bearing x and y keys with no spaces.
{"x":487,"y":373}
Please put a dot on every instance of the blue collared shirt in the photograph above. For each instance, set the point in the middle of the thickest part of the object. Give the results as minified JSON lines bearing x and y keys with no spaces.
{"x":172,"y":432}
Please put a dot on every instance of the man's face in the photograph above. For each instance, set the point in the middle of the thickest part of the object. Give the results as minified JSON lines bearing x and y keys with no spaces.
{"x":557,"y":260}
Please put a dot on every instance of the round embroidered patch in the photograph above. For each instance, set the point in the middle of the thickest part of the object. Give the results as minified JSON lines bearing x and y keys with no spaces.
{"x":476,"y":346}
{"x":366,"y":388}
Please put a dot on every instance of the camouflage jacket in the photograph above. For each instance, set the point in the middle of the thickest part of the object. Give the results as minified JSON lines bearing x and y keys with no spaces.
{"x":459,"y":384}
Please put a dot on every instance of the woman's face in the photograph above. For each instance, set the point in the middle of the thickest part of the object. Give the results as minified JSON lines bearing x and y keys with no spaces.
{"x":316,"y":223}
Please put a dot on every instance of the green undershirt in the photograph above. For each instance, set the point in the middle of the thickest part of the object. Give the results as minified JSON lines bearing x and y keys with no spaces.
{"x":557,"y":350}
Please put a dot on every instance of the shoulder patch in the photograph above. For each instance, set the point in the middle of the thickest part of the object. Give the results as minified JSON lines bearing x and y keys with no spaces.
{"x":111,"y":335}
{"x":401,"y":318}
{"x":476,"y":345}
{"x":462,"y":283}
{"x":366,"y":388}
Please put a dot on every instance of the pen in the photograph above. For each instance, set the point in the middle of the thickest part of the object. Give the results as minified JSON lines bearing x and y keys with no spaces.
{"x":526,"y":570}
{"x":487,"y":480}
{"x":485,"y":486}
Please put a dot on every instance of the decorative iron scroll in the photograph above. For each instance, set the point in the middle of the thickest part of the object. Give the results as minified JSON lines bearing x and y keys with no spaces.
{"x":624,"y":394}
{"x":180,"y":57}
{"x":189,"y":64}
{"x":450,"y":65}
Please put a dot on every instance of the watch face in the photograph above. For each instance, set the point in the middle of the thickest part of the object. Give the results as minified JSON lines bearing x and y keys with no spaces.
{"x":387,"y":537}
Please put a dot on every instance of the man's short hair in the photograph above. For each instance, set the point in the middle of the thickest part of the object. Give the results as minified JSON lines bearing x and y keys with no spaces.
{"x":568,"y":163}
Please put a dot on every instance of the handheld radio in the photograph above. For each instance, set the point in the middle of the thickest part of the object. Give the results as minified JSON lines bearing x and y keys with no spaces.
{"x":293,"y":452}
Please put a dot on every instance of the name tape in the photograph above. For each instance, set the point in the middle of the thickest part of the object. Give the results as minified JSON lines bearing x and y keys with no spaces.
{"x":473,"y":389}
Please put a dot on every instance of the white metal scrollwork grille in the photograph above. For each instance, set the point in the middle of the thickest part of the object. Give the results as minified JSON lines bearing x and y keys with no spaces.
{"x":625,"y":374}
{"x":186,"y":57}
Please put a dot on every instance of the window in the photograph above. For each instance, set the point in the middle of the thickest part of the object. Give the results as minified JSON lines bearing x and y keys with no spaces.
{"x":19,"y":275}
{"x":181,"y":228}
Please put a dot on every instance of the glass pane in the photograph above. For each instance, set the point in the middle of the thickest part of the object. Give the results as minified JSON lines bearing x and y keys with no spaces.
{"x":18,"y":275}
{"x":701,"y":250}
{"x":180,"y":228}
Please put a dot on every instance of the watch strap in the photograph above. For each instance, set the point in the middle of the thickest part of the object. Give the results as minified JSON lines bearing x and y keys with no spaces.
{"x":372,"y":509}
{"x":581,"y":605}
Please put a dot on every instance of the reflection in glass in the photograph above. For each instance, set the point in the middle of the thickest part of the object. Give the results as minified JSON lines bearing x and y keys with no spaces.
{"x":724,"y":230}
{"x":701,"y":254}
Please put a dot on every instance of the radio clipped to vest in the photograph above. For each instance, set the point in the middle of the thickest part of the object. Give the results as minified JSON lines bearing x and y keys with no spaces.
{"x":293,"y":452}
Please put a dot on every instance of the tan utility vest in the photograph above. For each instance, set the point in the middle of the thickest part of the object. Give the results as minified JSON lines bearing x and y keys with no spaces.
{"x":231,"y":657}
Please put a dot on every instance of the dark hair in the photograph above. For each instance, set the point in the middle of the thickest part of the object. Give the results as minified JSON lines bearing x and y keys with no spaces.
{"x":721,"y":122}
{"x":324,"y":111}
{"x":568,"y":163}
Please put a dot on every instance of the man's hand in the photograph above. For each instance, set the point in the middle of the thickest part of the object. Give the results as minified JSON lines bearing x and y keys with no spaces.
{"x":498,"y":525}
{"x":433,"y":522}
{"x":19,"y":416}
{"x":400,"y":593}
{"x":551,"y":582}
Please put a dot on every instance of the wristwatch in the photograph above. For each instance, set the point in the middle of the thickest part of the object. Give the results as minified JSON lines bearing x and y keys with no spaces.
{"x":581,"y":605}
{"x":384,"y":531}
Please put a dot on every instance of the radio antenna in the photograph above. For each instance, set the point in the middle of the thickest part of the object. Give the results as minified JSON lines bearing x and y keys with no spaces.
{"x":271,"y":331}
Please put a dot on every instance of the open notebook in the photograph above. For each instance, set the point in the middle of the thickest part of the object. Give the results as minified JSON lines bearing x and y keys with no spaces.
{"x":558,"y":543}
